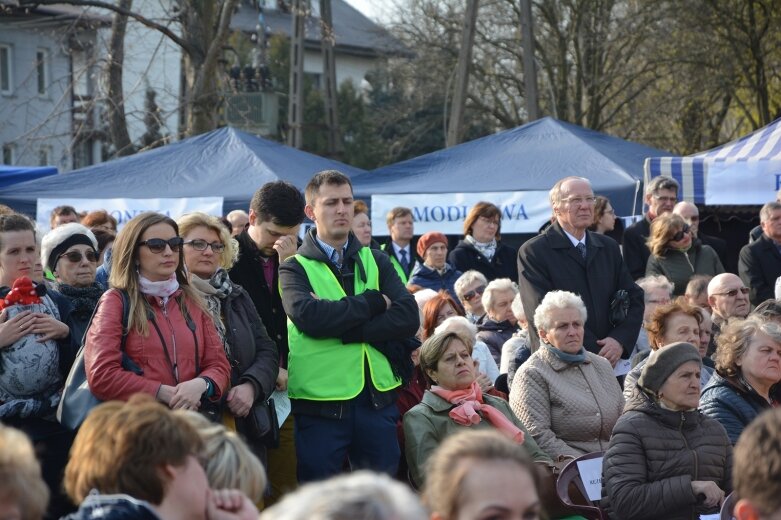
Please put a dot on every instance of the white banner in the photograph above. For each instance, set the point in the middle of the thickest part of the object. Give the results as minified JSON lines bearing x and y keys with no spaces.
{"x":742,"y":182}
{"x":522,"y":211}
{"x":125,"y":209}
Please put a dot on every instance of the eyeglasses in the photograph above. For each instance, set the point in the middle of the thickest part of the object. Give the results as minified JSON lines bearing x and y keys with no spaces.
{"x":76,"y":256}
{"x":580,"y":201}
{"x":487,"y":220}
{"x":201,"y":245}
{"x":157,"y":245}
{"x":679,"y":235}
{"x":471,"y":295}
{"x":733,"y":292}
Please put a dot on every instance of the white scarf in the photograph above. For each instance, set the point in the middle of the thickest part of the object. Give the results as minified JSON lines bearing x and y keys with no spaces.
{"x":163,"y":289}
{"x":487,"y":249}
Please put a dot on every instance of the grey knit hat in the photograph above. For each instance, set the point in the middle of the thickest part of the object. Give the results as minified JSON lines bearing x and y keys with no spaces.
{"x":664,"y":362}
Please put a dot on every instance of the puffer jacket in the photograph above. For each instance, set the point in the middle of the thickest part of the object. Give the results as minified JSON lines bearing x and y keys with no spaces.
{"x":113,"y":507}
{"x":495,"y":334}
{"x":732,"y":402}
{"x":102,"y":355}
{"x":653,"y":457}
{"x":679,"y":267}
{"x":429,"y":278}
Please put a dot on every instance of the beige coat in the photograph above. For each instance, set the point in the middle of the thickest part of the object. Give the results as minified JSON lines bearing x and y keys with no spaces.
{"x":570,"y":410}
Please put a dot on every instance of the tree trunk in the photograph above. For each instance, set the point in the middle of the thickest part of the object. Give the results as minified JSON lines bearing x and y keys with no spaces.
{"x":117,"y":127}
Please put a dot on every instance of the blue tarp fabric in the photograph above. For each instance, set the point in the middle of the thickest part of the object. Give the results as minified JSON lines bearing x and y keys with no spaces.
{"x":224,"y":163}
{"x":15,"y":174}
{"x":691,"y":171}
{"x":531,"y":157}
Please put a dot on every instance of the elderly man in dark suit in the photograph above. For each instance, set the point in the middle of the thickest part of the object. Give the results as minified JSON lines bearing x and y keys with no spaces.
{"x":568,"y":257}
{"x":760,"y":261}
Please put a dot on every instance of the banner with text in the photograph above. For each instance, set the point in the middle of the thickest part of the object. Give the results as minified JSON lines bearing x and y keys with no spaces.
{"x":522,"y":211}
{"x":742,"y":182}
{"x":125,"y":209}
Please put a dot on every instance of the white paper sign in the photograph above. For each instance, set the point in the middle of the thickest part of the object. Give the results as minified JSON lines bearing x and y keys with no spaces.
{"x":622,"y":367}
{"x":282,"y":405}
{"x":742,"y":182}
{"x":591,"y":475}
{"x":522,"y":211}
{"x":125,"y":209}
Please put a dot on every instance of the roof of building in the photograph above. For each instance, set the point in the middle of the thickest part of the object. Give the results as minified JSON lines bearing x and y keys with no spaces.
{"x":354,"y":32}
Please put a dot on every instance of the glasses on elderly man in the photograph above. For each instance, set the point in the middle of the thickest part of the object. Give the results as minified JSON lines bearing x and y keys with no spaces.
{"x":732,"y":293}
{"x":471,"y":295}
{"x":679,"y":235}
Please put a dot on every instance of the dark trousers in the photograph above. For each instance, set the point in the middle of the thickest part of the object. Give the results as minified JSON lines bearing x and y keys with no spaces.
{"x":365,"y":437}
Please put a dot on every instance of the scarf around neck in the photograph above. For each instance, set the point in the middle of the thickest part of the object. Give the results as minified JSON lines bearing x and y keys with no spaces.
{"x":487,"y":249}
{"x":470,"y":401}
{"x":572,"y":359}
{"x":83,"y":299}
{"x":221,"y":283}
{"x":162,"y":289}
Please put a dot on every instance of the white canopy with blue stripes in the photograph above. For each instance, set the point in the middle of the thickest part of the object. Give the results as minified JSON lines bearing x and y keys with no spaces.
{"x":691,"y":172}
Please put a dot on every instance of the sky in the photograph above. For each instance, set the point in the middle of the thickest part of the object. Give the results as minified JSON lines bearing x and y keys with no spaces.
{"x":374,"y":9}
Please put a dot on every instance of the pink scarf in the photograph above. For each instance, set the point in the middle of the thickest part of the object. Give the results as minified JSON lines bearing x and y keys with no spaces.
{"x":469,"y":402}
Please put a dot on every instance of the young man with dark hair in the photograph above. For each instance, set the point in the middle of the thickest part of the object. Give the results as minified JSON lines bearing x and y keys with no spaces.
{"x":275,"y":215}
{"x":350,"y":322}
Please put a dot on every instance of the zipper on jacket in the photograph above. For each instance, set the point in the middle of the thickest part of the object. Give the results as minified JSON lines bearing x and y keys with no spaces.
{"x":173,"y":340}
{"x":695,"y":458}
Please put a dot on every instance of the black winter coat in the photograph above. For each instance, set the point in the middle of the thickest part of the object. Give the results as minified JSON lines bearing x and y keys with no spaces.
{"x":503,"y":264}
{"x":759,"y":266}
{"x":494,"y":334}
{"x":549,"y":261}
{"x":733,"y":403}
{"x":248,"y":272}
{"x":636,"y":252}
{"x":255,"y":357}
{"x":653,"y":457}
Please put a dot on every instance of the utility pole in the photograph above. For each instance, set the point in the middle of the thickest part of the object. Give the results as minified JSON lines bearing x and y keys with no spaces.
{"x":456,"y":123}
{"x":529,"y":71}
{"x":327,"y":42}
{"x":295,"y":106}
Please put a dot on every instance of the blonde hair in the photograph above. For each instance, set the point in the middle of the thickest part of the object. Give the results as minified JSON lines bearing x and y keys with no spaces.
{"x":124,"y":269}
{"x":435,"y":346}
{"x":228,"y":461}
{"x":734,"y":340}
{"x":20,"y":474}
{"x":663,"y":228}
{"x":196,"y":219}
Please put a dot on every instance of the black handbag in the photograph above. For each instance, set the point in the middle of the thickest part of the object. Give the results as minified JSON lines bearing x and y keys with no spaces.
{"x":262,"y":424}
{"x":77,"y":399}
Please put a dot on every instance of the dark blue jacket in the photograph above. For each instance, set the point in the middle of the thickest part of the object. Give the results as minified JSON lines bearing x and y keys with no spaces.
{"x":733,"y":403}
{"x":430,"y":279}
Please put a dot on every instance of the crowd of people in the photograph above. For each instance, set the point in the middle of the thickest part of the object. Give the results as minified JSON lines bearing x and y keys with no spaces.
{"x":242,"y":369}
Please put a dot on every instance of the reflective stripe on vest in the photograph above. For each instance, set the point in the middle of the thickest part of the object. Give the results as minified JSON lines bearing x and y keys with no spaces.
{"x":325,"y":369}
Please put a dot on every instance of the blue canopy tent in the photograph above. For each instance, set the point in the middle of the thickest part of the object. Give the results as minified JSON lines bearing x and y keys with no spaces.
{"x":15,"y":174}
{"x":531,"y":157}
{"x":223,"y":163}
{"x":747,"y":170}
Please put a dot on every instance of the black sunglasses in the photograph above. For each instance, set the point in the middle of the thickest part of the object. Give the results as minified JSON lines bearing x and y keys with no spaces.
{"x":477,"y":291}
{"x":76,"y":256}
{"x":733,"y":292}
{"x":679,"y":235}
{"x":201,"y":245}
{"x":157,"y":245}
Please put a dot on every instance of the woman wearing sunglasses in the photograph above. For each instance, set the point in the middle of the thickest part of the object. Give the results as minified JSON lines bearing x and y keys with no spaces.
{"x":677,"y":255}
{"x":209,"y":251}
{"x":70,"y":253}
{"x":170,"y":336}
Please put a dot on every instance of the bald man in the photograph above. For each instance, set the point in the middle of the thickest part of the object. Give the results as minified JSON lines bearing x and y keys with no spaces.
{"x":689,"y":212}
{"x":728,"y":297}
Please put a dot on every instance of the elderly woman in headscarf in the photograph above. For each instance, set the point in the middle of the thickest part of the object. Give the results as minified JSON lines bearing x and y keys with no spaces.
{"x":567,"y":397}
{"x":70,"y":252}
{"x":666,"y":459}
